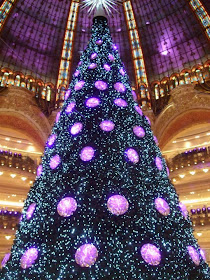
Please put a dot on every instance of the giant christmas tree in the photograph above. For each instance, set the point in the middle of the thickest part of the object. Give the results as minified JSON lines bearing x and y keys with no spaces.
{"x":102,"y":205}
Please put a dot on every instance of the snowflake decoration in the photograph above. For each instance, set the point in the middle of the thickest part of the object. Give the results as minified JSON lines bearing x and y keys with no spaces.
{"x":108,"y":5}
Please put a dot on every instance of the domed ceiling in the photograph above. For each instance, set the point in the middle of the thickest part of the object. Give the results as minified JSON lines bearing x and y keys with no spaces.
{"x":171,"y":36}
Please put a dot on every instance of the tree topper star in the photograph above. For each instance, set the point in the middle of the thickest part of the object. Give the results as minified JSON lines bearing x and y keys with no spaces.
{"x":108,"y":5}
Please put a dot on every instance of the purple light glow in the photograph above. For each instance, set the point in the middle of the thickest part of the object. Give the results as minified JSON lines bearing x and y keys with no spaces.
{"x":117,"y":205}
{"x":158,"y":163}
{"x":70,"y":108}
{"x":107,"y":125}
{"x":101,"y":85}
{"x":138,"y":110}
{"x":86,"y":255}
{"x":79,"y":85}
{"x":167,"y":170}
{"x":151,"y":254}
{"x":76,"y":74}
{"x":39,"y":171}
{"x":99,"y":42}
{"x":107,"y":67}
{"x":51,"y":140}
{"x":139,"y":131}
{"x":58,"y":117}
{"x":120,"y":102}
{"x":92,"y":102}
{"x":114,"y":47}
{"x":67,"y":94}
{"x":5,"y":259}
{"x":80,"y":63}
{"x":156,"y":140}
{"x":87,"y":153}
{"x":148,"y":120}
{"x":93,"y":56}
{"x":194,"y":255}
{"x":183,"y":209}
{"x":203,"y":255}
{"x":29,"y":258}
{"x":162,"y":206}
{"x":76,"y":128}
{"x":92,"y":66}
{"x":111,"y":57}
{"x":122,"y":71}
{"x":30,"y":211}
{"x":67,"y":206}
{"x":132,"y":155}
{"x":55,"y":161}
{"x":134,"y":95}
{"x":120,"y":87}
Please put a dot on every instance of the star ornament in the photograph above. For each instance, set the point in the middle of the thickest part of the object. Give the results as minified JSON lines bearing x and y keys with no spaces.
{"x":108,"y":5}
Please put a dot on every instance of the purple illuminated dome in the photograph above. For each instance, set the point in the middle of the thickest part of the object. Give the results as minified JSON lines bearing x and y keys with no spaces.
{"x":120,"y":87}
{"x":99,"y":42}
{"x":203,"y":254}
{"x":134,"y":95}
{"x":107,"y":67}
{"x":67,"y":94}
{"x":122,"y":71}
{"x":138,"y":110}
{"x":92,"y":102}
{"x":55,"y":161}
{"x":107,"y":125}
{"x":117,"y":205}
{"x":30,"y":211}
{"x":92,"y":66}
{"x":79,"y":85}
{"x":67,"y":206}
{"x":58,"y":117}
{"x":70,"y":108}
{"x":158,"y":163}
{"x":39,"y":170}
{"x":93,"y":56}
{"x":132,"y":155}
{"x":162,"y":206}
{"x":76,"y":74}
{"x":101,"y":85}
{"x":76,"y":128}
{"x":194,"y":255}
{"x":183,"y":209}
{"x":148,"y":120}
{"x":87,"y":153}
{"x":151,"y":254}
{"x":86,"y":255}
{"x":51,"y":140}
{"x":114,"y":47}
{"x":5,"y":259}
{"x":120,"y":102}
{"x":139,"y":131}
{"x":111,"y":57}
{"x":29,"y":258}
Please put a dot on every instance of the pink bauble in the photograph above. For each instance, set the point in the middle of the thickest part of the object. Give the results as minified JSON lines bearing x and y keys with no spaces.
{"x":51,"y":140}
{"x":92,"y":102}
{"x":139,"y":131}
{"x":79,"y":85}
{"x":101,"y":85}
{"x":111,"y":57}
{"x":138,"y":110}
{"x":92,"y":66}
{"x":107,"y":125}
{"x":134,"y":95}
{"x":76,"y":74}
{"x":29,"y":258}
{"x":39,"y":170}
{"x":183,"y":209}
{"x":30,"y":211}
{"x":203,"y":254}
{"x":70,"y":108}
{"x":55,"y":161}
{"x":158,"y":163}
{"x":86,"y":255}
{"x":87,"y":153}
{"x":120,"y":87}
{"x":107,"y":67}
{"x":151,"y":254}
{"x":117,"y":205}
{"x":194,"y":255}
{"x":93,"y":56}
{"x":156,"y":140}
{"x":67,"y":206}
{"x":58,"y":117}
{"x":149,"y":122}
{"x":114,"y":47}
{"x":99,"y":42}
{"x":132,"y":155}
{"x":5,"y":259}
{"x":76,"y":128}
{"x":67,"y":94}
{"x":122,"y":71}
{"x":167,"y":170}
{"x":162,"y":206}
{"x":120,"y":102}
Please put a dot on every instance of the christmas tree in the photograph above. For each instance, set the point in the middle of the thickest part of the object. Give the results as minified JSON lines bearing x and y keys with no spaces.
{"x":102,"y":205}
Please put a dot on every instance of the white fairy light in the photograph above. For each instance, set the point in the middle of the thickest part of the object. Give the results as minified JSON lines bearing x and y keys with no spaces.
{"x":108,"y":5}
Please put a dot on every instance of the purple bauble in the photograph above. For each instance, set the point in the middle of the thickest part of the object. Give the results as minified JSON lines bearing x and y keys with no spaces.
{"x":122,"y":71}
{"x":86,"y":255}
{"x":67,"y":206}
{"x":76,"y":74}
{"x":203,"y":255}
{"x":114,"y":47}
{"x":92,"y":102}
{"x":107,"y":125}
{"x":5,"y":259}
{"x":55,"y":161}
{"x":194,"y":255}
{"x":58,"y":117}
{"x":132,"y":155}
{"x":101,"y":85}
{"x":117,"y":205}
{"x":51,"y":140}
{"x":39,"y":171}
{"x":138,"y":110}
{"x":29,"y":258}
{"x":99,"y":42}
{"x":30,"y":211}
{"x":107,"y":67}
{"x":87,"y":153}
{"x":167,"y":171}
{"x":120,"y":87}
{"x":183,"y":209}
{"x":151,"y":254}
{"x":156,"y":140}
{"x":76,"y":128}
{"x":162,"y":206}
{"x":93,"y":56}
{"x":111,"y":57}
{"x":70,"y":108}
{"x":80,"y":63}
{"x":92,"y":66}
{"x":134,"y":95}
{"x":67,"y":94}
{"x":139,"y":131}
{"x":120,"y":102}
{"x":79,"y":85}
{"x":149,"y":122}
{"x":158,"y":163}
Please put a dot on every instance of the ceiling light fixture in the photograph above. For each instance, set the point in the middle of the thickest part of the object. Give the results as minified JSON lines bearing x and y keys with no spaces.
{"x":13,"y":175}
{"x":182,"y":175}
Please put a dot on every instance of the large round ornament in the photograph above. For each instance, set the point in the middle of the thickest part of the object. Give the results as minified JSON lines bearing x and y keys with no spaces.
{"x":183,"y":209}
{"x":93,"y":56}
{"x":92,"y":102}
{"x":120,"y":102}
{"x":29,"y":258}
{"x":111,"y":57}
{"x":107,"y":125}
{"x":79,"y":85}
{"x":122,"y":72}
{"x":5,"y":259}
{"x":158,"y":163}
{"x":119,"y":87}
{"x":139,"y":131}
{"x":203,"y":254}
{"x":51,"y":140}
{"x":162,"y":206}
{"x":86,"y":255}
{"x":58,"y":117}
{"x":55,"y":161}
{"x":67,"y":206}
{"x":70,"y":108}
{"x":194,"y":255}
{"x":107,"y":67}
{"x":87,"y":153}
{"x":99,"y":42}
{"x":92,"y":66}
{"x":151,"y":254}
{"x":30,"y":211}
{"x":68,"y":92}
{"x":39,"y":170}
{"x":132,"y":155}
{"x":101,"y":85}
{"x":76,"y":128}
{"x":76,"y":73}
{"x":138,"y":110}
{"x":117,"y":205}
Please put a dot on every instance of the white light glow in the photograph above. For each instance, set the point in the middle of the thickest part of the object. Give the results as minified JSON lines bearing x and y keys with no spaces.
{"x":10,"y":203}
{"x":182,"y":176}
{"x":8,"y":237}
{"x":108,"y":5}
{"x":205,"y":170}
{"x":192,"y":172}
{"x":13,"y":175}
